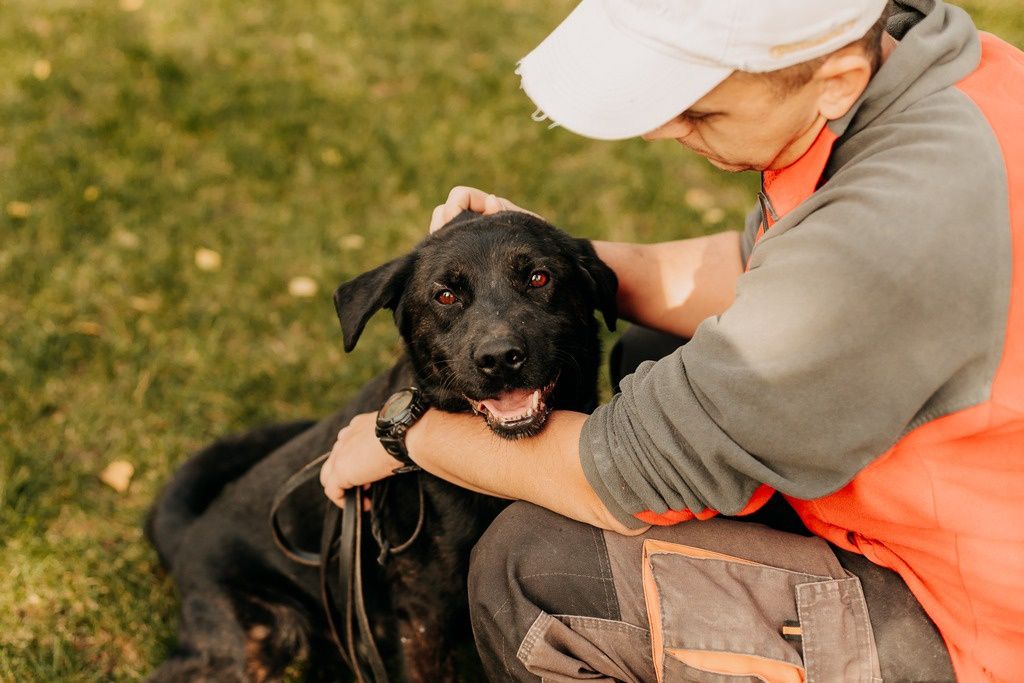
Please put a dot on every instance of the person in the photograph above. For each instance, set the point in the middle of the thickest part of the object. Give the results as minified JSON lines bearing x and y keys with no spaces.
{"x":857,"y":349}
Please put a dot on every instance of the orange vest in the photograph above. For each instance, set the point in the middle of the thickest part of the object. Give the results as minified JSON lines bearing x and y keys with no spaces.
{"x":944,"y":507}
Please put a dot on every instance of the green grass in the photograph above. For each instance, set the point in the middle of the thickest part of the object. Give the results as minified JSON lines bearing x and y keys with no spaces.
{"x":309,"y":138}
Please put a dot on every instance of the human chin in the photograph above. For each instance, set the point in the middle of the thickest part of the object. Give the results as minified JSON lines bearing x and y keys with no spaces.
{"x":731,"y":167}
{"x":717,"y":162}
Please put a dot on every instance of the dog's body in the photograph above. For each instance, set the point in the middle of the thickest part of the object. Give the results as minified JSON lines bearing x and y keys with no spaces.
{"x":497,"y":316}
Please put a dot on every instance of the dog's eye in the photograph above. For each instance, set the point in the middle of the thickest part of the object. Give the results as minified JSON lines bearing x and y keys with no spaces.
{"x":445,"y":297}
{"x":539,"y":278}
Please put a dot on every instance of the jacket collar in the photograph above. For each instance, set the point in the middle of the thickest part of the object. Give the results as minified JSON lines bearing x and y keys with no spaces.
{"x":938,"y":47}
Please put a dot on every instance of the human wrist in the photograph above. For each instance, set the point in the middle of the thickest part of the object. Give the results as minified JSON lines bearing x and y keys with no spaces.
{"x":400,"y":411}
{"x":416,"y":438}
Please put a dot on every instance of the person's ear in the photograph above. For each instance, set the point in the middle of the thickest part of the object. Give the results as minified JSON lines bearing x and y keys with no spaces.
{"x":841,"y":79}
{"x":357,"y":300}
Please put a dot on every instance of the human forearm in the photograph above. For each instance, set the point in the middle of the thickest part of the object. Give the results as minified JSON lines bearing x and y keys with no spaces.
{"x":543,"y":469}
{"x":673,"y":286}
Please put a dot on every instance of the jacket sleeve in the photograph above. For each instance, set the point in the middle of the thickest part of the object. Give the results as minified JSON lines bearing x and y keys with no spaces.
{"x":869,"y":315}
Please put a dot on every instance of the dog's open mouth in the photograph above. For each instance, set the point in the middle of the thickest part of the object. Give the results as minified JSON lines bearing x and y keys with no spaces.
{"x":515,"y":413}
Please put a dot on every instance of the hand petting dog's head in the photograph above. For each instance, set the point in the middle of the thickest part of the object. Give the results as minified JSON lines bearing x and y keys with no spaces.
{"x":497,"y":316}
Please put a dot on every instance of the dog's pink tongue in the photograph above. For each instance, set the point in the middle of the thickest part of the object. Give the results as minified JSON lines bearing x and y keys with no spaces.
{"x":511,"y":404}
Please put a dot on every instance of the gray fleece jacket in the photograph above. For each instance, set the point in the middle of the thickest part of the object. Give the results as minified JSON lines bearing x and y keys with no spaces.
{"x":875,"y":305}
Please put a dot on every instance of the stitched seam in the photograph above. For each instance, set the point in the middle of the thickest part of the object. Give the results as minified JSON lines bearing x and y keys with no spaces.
{"x":504,"y":646}
{"x":501,"y":609}
{"x":610,"y":598}
{"x":526,"y":647}
{"x":611,"y":575}
{"x":858,"y":606}
{"x":757,"y":566}
{"x":806,"y":644}
{"x":863,"y":646}
{"x":727,"y":674}
{"x":601,"y":624}
{"x":578,"y":576}
{"x":858,"y":634}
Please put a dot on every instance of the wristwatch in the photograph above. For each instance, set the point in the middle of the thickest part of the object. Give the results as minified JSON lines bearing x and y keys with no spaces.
{"x":398,"y":413}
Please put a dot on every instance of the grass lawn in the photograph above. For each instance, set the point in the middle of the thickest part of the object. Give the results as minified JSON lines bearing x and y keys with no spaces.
{"x":168,"y":168}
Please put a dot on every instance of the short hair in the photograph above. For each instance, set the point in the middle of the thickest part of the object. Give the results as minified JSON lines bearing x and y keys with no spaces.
{"x":792,"y":78}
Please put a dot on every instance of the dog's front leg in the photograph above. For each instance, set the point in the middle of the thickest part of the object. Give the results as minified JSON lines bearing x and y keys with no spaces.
{"x":426,"y":654}
{"x":430,"y":614}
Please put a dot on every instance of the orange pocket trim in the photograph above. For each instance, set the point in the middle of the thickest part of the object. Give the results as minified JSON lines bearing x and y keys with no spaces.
{"x":733,"y":664}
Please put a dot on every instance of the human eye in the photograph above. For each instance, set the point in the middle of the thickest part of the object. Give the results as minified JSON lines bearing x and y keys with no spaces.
{"x":695,"y":116}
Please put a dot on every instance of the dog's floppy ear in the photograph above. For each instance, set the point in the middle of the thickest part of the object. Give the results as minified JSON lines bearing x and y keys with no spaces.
{"x":357,"y":300}
{"x":600,"y":279}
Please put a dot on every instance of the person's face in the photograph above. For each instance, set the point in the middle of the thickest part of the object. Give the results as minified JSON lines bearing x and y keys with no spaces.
{"x":743,"y":124}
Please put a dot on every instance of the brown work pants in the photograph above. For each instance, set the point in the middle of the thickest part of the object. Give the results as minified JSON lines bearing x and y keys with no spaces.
{"x":723,"y":600}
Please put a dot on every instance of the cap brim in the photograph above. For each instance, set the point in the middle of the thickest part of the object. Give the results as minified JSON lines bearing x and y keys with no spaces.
{"x":596,"y":80}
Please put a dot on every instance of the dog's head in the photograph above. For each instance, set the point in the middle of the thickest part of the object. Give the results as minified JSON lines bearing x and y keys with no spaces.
{"x":497,"y":313}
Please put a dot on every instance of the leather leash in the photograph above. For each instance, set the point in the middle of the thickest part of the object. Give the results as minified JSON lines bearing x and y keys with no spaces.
{"x":342,"y":538}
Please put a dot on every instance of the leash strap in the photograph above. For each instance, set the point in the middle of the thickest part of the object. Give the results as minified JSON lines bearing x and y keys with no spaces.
{"x":327,"y":540}
{"x":293,"y":483}
{"x":380,"y":491}
{"x":341,"y":537}
{"x":350,"y":581}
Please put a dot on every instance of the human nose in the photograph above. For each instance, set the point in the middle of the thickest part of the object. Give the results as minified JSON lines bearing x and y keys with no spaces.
{"x":674,"y":129}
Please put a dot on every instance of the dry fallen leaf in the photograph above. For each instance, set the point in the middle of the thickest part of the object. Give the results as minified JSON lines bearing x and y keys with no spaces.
{"x":146,"y":304}
{"x":42,"y":69}
{"x":351,"y":242}
{"x":713,"y":215}
{"x":118,"y":475}
{"x":126,"y":238}
{"x":699,"y":198}
{"x":302,"y":286}
{"x":207,"y":259}
{"x":18,"y":209}
{"x":88,"y":327}
{"x":330,"y":156}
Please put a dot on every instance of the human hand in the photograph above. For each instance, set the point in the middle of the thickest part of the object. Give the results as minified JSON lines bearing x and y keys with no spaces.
{"x":357,"y":459}
{"x":463,"y":198}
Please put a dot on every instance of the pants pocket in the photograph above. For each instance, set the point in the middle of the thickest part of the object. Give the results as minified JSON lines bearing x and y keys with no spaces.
{"x":716,"y":618}
{"x":562,"y":648}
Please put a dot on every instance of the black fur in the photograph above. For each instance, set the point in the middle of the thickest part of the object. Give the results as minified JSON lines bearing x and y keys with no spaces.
{"x":247,"y":611}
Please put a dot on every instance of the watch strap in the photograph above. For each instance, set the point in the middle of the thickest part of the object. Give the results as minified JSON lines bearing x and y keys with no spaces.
{"x":392,"y":434}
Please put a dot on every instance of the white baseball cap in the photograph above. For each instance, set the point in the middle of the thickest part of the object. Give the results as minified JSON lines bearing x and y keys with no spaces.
{"x":616,"y":69}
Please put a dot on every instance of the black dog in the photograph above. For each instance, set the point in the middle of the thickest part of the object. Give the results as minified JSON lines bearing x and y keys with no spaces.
{"x":497,"y":316}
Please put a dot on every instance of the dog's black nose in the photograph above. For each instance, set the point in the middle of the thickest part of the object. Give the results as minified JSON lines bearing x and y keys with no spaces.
{"x":498,"y":356}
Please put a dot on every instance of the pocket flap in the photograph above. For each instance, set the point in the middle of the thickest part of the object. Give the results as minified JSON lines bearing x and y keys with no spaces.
{"x":715,"y":617}
{"x":703,"y":606}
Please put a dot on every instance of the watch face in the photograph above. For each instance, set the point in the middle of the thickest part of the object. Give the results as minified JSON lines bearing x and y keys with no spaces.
{"x":396,"y":405}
